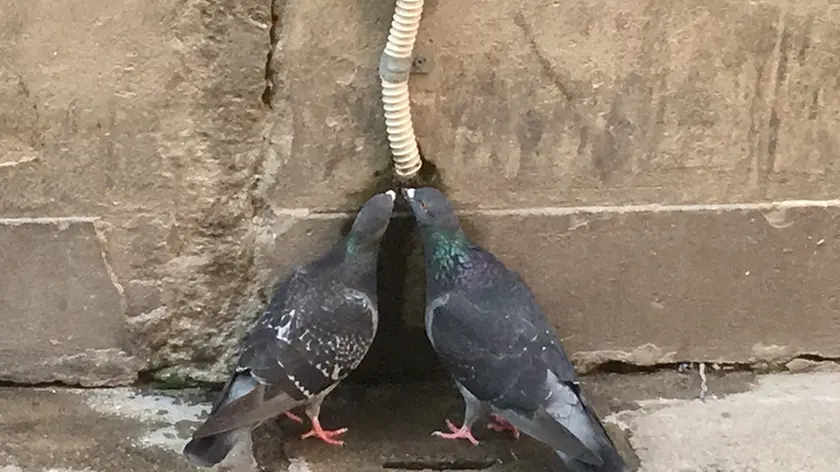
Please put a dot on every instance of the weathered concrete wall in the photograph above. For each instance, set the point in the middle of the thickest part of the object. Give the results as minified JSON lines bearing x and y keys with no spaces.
{"x":146,"y":117}
{"x":191,"y":173}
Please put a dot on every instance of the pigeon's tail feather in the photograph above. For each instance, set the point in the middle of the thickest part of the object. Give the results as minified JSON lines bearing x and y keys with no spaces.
{"x":585,"y":446}
{"x":612,"y":461}
{"x":209,"y":451}
{"x":586,"y":426}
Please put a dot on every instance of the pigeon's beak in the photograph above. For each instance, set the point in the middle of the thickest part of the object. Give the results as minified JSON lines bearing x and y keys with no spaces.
{"x":391,"y":194}
{"x":407,"y":193}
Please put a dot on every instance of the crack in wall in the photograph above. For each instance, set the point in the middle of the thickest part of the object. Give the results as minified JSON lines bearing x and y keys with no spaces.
{"x":266,"y":164}
{"x":761,"y":366}
{"x":149,"y":377}
{"x":278,"y":7}
{"x":226,"y":232}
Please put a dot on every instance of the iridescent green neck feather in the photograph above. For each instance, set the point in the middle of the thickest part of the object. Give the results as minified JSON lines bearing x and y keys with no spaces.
{"x":448,"y":250}
{"x":454,"y":261}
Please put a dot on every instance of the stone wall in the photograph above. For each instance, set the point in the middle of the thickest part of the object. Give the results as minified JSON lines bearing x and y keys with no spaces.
{"x":643,"y":165}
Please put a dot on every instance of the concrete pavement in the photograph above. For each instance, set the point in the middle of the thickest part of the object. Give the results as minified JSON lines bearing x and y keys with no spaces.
{"x":772,"y":423}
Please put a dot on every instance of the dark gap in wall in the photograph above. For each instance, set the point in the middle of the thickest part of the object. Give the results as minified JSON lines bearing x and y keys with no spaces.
{"x":400,"y":353}
{"x":621,"y":367}
{"x":55,"y":384}
{"x":817,"y":358}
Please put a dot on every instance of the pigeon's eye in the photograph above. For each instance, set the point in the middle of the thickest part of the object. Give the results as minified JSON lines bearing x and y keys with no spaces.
{"x":423,"y":205}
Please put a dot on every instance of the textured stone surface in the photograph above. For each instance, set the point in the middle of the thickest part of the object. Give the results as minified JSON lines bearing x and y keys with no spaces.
{"x":651,"y":286}
{"x":62,"y":314}
{"x":131,"y":109}
{"x":209,"y":166}
{"x":148,"y":116}
{"x":785,"y":423}
{"x":539,"y":102}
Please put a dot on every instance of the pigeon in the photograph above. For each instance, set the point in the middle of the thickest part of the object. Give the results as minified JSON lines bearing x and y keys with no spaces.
{"x":316,"y":329}
{"x":491,"y":335}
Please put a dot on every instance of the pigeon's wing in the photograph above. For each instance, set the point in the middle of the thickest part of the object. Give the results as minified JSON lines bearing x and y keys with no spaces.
{"x":531,"y":314}
{"x":565,"y":401}
{"x":489,"y":343}
{"x":466,"y":340}
{"x":315,"y":344}
{"x":299,"y":349}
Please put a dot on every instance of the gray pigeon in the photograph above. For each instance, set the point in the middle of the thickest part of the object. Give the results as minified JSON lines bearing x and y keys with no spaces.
{"x":317,"y":328}
{"x":495,"y":341}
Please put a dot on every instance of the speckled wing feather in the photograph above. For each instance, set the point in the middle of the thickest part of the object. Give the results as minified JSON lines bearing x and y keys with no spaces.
{"x":308,"y":340}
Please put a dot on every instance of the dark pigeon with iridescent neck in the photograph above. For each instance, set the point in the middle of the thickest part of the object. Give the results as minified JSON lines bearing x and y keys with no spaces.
{"x":495,"y":341}
{"x":316,"y":330}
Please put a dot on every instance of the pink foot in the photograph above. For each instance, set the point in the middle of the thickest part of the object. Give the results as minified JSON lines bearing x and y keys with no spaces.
{"x":326,"y":436}
{"x":293,"y":417}
{"x":500,"y":424}
{"x":464,"y":432}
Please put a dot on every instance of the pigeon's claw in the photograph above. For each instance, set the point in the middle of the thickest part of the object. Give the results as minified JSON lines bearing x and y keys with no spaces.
{"x":501,"y":425}
{"x":326,"y":436}
{"x":293,"y":417}
{"x":464,"y":432}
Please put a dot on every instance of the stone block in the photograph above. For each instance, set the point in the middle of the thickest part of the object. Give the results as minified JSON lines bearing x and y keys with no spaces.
{"x":647,"y":286}
{"x":62,"y":314}
{"x":131,"y":108}
{"x":150,"y":117}
{"x":540,"y":103}
{"x":327,"y":130}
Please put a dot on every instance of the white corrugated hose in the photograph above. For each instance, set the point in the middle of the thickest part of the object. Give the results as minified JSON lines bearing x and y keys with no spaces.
{"x":394,"y":70}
